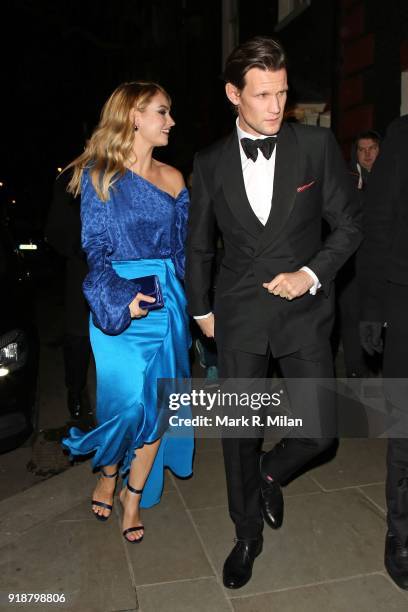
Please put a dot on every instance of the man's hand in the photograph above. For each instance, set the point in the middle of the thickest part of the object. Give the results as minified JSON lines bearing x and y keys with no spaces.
{"x":135,"y":311}
{"x":290,"y":285}
{"x":370,"y":336}
{"x":207,"y":325}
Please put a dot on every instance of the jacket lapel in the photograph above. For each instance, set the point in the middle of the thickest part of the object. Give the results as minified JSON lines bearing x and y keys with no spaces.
{"x":284,"y":186}
{"x":234,"y":187}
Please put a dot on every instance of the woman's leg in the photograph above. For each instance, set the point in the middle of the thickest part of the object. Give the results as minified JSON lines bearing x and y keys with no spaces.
{"x":139,"y":471}
{"x":104,"y":490}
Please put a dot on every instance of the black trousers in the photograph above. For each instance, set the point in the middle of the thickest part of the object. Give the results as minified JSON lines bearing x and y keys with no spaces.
{"x":395,"y":365}
{"x":241,"y":455}
{"x":355,"y":358}
{"x":77,"y":353}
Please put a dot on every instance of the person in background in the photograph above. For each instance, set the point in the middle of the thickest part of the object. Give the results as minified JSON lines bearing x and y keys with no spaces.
{"x":383,"y":274}
{"x":134,"y":217}
{"x":63,"y":233}
{"x":364,"y":152}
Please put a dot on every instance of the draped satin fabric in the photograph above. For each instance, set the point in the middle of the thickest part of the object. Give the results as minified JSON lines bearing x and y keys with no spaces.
{"x":132,"y":354}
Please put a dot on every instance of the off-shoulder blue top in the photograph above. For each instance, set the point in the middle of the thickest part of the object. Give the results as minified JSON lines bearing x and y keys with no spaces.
{"x":138,"y":221}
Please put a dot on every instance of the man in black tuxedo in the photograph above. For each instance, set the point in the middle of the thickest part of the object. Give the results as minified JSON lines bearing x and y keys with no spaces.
{"x":383,"y":274}
{"x":267,"y":186}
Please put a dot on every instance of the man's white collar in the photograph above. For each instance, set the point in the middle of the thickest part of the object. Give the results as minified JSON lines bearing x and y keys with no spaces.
{"x":243,"y":134}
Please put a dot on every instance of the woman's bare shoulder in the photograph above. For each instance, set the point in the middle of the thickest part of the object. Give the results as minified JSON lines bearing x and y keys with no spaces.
{"x":170,"y":177}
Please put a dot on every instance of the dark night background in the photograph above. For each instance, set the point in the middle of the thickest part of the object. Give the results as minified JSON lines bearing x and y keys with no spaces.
{"x":61,"y":60}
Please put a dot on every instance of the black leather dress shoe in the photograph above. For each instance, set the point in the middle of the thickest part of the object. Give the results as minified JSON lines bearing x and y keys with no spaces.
{"x":272,"y":505}
{"x":238,"y":565}
{"x":271,"y":500}
{"x":396,"y":561}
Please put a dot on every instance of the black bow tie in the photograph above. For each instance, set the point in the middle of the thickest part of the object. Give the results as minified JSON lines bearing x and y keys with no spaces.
{"x":251,"y":147}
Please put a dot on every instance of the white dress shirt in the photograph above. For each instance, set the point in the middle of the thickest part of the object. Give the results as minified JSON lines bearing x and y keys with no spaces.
{"x":258,"y":179}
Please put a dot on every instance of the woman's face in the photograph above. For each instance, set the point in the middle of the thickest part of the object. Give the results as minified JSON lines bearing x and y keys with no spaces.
{"x":155,"y":122}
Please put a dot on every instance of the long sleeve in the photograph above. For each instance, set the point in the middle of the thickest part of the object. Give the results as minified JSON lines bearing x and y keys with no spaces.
{"x":108,"y":294}
{"x":180,"y":232}
{"x":201,"y":247}
{"x":342,"y":211}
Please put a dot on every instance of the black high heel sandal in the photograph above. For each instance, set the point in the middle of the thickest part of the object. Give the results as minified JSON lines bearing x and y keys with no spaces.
{"x":101,"y":517}
{"x":139,"y":527}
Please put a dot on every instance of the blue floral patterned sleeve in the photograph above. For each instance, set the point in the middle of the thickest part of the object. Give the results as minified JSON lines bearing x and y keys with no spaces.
{"x":180,"y":232}
{"x":108,"y":294}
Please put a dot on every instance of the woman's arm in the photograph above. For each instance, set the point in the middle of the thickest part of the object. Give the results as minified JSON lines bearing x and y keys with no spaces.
{"x":108,"y":295}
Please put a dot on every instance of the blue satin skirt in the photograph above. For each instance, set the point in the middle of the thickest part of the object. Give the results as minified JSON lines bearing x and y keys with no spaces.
{"x":128,"y":366}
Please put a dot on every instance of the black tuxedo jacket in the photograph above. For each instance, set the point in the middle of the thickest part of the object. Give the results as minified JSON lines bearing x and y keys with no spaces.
{"x":311,"y":183}
{"x":383,"y":257}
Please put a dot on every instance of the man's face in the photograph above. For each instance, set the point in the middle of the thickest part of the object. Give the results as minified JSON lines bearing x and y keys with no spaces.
{"x":367,"y":151}
{"x":261,"y":102}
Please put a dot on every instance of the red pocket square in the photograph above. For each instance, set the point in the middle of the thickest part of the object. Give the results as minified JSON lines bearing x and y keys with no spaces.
{"x":304,"y":187}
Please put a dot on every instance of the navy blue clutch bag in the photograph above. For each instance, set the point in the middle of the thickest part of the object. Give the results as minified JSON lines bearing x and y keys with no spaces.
{"x":149,"y":285}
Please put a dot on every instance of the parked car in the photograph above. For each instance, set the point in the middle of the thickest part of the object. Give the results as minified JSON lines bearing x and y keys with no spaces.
{"x":19,"y":346}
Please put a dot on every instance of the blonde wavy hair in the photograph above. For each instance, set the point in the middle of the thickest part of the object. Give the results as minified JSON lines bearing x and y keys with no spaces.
{"x":110,"y":146}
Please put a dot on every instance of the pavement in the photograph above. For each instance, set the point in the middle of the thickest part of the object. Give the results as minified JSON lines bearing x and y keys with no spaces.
{"x":328,"y":555}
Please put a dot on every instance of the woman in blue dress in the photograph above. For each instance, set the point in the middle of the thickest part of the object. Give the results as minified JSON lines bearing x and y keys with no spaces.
{"x":134,"y":213}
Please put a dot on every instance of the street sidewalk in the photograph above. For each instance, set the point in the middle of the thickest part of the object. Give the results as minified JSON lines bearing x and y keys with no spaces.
{"x":328,"y":555}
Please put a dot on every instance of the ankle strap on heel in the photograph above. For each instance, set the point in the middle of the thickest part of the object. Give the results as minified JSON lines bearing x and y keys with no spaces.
{"x":105,"y":475}
{"x":133,"y":490}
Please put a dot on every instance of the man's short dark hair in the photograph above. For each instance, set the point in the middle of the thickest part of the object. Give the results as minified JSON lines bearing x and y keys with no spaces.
{"x":370,"y":135}
{"x":258,"y":52}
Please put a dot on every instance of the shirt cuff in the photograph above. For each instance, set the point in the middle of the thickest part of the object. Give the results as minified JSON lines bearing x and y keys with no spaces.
{"x":203,"y":316}
{"x":316,"y":283}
